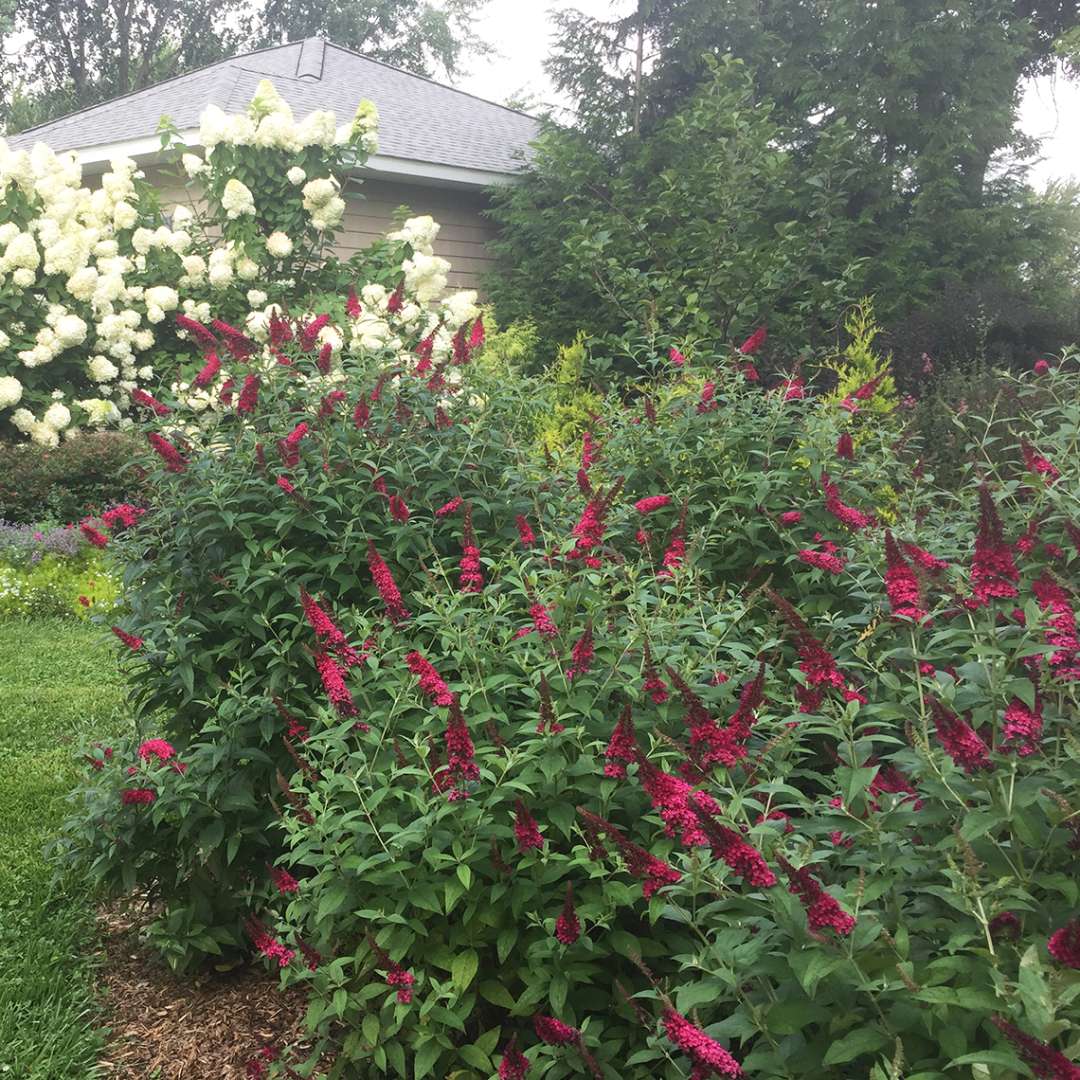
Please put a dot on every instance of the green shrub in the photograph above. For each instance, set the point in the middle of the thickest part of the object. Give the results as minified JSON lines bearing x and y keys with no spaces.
{"x":63,"y":484}
{"x":443,"y":856}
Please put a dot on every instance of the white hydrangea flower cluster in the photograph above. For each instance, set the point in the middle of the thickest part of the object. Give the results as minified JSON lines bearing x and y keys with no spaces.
{"x":322,"y":202}
{"x":378,"y":328}
{"x":237,"y":199}
{"x":71,"y":244}
{"x":365,"y":126}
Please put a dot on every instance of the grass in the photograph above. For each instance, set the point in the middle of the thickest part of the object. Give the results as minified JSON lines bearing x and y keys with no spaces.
{"x":59,"y":690}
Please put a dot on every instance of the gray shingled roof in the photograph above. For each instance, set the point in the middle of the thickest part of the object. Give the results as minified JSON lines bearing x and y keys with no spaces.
{"x":420,"y":120}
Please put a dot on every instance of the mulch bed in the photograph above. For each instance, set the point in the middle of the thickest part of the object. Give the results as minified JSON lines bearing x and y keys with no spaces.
{"x":196,"y":1027}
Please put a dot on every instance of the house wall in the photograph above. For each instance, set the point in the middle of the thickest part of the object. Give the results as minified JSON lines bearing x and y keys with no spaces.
{"x":463,"y":237}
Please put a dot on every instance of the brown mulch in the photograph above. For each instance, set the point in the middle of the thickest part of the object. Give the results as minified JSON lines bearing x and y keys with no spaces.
{"x":194,"y":1027}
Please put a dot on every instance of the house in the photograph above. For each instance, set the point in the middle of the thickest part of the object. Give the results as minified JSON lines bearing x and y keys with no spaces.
{"x":440,"y":149}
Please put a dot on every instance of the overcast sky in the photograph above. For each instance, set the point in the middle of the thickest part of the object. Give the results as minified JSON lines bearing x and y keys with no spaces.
{"x":521,"y":32}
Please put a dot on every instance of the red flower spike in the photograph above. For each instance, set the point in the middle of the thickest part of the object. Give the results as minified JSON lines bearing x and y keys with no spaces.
{"x":476,"y":335}
{"x":432,"y":684}
{"x":651,"y":503}
{"x":709,"y":742}
{"x":461,"y":767}
{"x":168,"y":453}
{"x":148,"y":401}
{"x":1022,"y":727}
{"x":514,"y":1065}
{"x":309,"y":333}
{"x":239,"y":345}
{"x":676,"y":357}
{"x":754,"y":341}
{"x":729,"y":846}
{"x":130,"y":640}
{"x":1061,"y":631}
{"x":403,"y":981}
{"x":283,"y":881}
{"x":589,"y":451}
{"x":333,"y":680}
{"x":676,"y":548}
{"x":449,"y":508}
{"x":396,"y":299}
{"x":526,"y":830}
{"x":1064,"y":944}
{"x":639,"y":863}
{"x":327,"y":631}
{"x":471,"y":576}
{"x":525,"y":533}
{"x":1005,"y":927}
{"x":542,"y":623}
{"x":676,"y":801}
{"x":960,"y":741}
{"x":582,"y":653}
{"x":823,"y":560}
{"x":386,"y":586}
{"x":1044,"y":1061}
{"x":845,"y":448}
{"x":930,"y":563}
{"x":159,"y":749}
{"x":622,"y":747}
{"x":653,"y":685}
{"x":708,"y":1056}
{"x":567,"y":925}
{"x":137,"y":796}
{"x":267,"y":944}
{"x":902,"y":584}
{"x":822,"y":911}
{"x":99,"y":540}
{"x":993,"y":571}
{"x":196,"y":329}
{"x":208,"y":372}
{"x":846,"y":515}
{"x":352,"y":304}
{"x":555,"y":1032}
{"x":249,"y":395}
{"x":1034,"y":462}
{"x":323,"y":361}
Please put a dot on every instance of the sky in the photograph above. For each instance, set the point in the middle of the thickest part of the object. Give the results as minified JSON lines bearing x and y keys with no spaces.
{"x":521,"y":31}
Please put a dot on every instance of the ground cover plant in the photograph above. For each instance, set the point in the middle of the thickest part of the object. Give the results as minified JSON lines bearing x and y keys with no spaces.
{"x":61,"y":688}
{"x":58,"y":570}
{"x":723,"y":742}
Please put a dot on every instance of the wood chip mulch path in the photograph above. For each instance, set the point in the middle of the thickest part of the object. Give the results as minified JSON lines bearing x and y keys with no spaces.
{"x":197,"y":1027}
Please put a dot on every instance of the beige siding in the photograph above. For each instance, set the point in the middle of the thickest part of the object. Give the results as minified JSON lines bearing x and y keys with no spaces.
{"x":463,"y":237}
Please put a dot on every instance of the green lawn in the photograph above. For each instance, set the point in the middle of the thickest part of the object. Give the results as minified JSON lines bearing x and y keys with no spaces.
{"x":59,"y":689}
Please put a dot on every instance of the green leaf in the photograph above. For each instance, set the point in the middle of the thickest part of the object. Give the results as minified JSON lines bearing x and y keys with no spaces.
{"x":332,"y":901}
{"x":1034,"y":990}
{"x":863,"y":1040}
{"x":987,"y":1057}
{"x":370,"y":1028}
{"x":474,"y":1056}
{"x":496,"y":993}
{"x":464,"y":968}
{"x":425,"y":1059}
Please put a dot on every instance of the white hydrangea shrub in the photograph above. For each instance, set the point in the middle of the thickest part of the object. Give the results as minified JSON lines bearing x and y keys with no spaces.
{"x":92,"y":280}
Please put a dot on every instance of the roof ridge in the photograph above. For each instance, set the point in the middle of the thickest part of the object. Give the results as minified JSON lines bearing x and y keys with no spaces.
{"x":224,"y":62}
{"x":427,"y":79}
{"x":237,"y":61}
